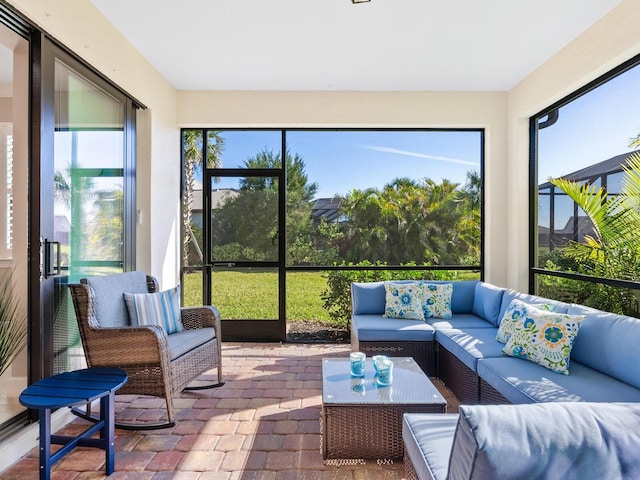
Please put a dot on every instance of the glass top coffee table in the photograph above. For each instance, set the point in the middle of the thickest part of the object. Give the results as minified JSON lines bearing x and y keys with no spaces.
{"x":361,"y":419}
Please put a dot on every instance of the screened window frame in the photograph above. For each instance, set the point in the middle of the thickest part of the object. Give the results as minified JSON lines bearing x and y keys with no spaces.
{"x":477,"y":268}
{"x":546,"y":115}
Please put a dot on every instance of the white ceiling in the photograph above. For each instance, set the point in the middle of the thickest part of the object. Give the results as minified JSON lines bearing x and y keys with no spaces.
{"x":336,"y":45}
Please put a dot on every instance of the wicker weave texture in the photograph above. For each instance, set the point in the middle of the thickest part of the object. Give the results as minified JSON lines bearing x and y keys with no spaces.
{"x":424,"y":353}
{"x":460,"y":379}
{"x":367,"y":431}
{"x":409,"y":470}
{"x":490,"y":396}
{"x":143,"y":352}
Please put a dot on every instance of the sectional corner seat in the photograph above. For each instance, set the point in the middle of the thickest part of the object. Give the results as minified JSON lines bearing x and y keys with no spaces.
{"x":567,"y":440}
{"x":464,"y":354}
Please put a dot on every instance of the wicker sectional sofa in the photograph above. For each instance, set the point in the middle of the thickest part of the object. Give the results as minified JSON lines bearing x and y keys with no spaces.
{"x":463,"y":352}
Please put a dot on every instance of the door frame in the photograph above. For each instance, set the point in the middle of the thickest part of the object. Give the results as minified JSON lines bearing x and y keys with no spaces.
{"x":42,"y":287}
{"x":237,"y":330}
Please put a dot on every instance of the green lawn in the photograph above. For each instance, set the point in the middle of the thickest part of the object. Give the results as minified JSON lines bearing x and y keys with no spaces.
{"x":254,"y":295}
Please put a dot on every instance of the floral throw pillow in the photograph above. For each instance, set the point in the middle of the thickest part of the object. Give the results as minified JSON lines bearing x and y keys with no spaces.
{"x":404,"y":300}
{"x":437,"y":300}
{"x":516,"y":312}
{"x":545,"y":338}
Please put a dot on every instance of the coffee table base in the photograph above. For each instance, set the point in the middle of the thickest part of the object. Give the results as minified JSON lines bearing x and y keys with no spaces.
{"x":367,"y":431}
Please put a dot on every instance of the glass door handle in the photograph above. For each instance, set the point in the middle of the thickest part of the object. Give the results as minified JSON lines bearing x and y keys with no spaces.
{"x":224,"y":264}
{"x":51,"y":254}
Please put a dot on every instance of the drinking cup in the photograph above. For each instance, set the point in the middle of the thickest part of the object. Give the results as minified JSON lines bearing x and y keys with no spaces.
{"x":357,"y":360}
{"x":385,"y":372}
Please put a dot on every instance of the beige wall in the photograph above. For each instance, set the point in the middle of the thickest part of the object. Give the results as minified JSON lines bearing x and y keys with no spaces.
{"x":79,"y":26}
{"x":609,"y":43}
{"x":373,"y":109}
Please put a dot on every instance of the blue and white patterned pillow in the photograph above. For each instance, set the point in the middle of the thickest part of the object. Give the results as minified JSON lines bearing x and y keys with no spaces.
{"x":161,"y":308}
{"x":437,"y":300}
{"x":516,"y":312}
{"x":404,"y":300}
{"x":545,"y":338}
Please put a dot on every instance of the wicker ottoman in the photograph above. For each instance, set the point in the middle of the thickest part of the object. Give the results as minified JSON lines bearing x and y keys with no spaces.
{"x":361,"y":420}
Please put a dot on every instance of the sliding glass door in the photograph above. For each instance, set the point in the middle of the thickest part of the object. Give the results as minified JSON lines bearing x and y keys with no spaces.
{"x":86,"y":195}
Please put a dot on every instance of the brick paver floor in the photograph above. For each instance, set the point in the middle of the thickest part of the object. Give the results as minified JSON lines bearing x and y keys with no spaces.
{"x":263,"y":424}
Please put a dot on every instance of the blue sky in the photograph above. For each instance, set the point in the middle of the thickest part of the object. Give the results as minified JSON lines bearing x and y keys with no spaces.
{"x":592,"y":128}
{"x":343,"y":160}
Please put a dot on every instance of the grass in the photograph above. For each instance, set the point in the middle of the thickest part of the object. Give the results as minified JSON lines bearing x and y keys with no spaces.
{"x":254,"y":295}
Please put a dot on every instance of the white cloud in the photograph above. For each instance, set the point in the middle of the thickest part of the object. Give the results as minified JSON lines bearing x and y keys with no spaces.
{"x":419,"y":155}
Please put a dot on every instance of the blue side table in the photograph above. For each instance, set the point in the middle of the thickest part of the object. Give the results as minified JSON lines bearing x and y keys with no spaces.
{"x":67,"y":390}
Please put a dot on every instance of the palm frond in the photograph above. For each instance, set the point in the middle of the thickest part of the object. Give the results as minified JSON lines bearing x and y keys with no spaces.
{"x":631,"y":179}
{"x":590,"y":198}
{"x":13,"y":324}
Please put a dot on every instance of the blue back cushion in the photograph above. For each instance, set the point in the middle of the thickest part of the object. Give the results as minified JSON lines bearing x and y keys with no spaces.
{"x":111,"y":310}
{"x":368,"y":298}
{"x":571,"y":440}
{"x":608,"y":343}
{"x":559,"y":307}
{"x":486,"y":302}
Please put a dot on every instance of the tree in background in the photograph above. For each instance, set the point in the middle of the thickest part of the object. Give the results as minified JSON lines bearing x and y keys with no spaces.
{"x":614,"y":249}
{"x":192,"y":141}
{"x":411,"y":221}
{"x":247,"y":223}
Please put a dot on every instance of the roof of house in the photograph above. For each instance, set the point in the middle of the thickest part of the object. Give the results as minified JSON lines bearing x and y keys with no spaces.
{"x":611,"y":165}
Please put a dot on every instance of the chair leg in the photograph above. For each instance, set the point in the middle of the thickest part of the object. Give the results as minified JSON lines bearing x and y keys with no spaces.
{"x":93,"y":418}
{"x":204,"y":387}
{"x":212,"y":385}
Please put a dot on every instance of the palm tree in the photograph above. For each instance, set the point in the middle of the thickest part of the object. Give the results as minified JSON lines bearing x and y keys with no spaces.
{"x":613,"y":251}
{"x":193,"y":151}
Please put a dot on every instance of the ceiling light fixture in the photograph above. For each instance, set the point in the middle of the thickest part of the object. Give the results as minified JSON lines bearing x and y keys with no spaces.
{"x":360,"y":1}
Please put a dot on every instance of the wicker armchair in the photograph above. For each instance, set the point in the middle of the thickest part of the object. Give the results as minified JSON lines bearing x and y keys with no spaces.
{"x":157,"y":364}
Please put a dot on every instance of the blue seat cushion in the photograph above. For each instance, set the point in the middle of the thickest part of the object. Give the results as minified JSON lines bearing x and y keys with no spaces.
{"x":461,"y":321}
{"x":428,"y":438}
{"x":520,"y":381}
{"x":376,"y":328}
{"x":572,"y":441}
{"x":609,"y":343}
{"x":470,"y":344}
{"x":487,"y":300}
{"x":186,"y":340}
{"x":109,"y":290}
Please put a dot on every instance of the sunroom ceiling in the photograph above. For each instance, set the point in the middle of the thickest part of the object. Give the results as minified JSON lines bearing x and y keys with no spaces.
{"x":388,"y":45}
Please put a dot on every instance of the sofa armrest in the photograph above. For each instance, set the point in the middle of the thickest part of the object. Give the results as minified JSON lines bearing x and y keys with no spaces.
{"x":113,"y":346}
{"x":200,"y":317}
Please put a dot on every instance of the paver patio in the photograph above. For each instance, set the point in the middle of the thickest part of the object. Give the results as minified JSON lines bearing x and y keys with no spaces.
{"x":263,"y":424}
